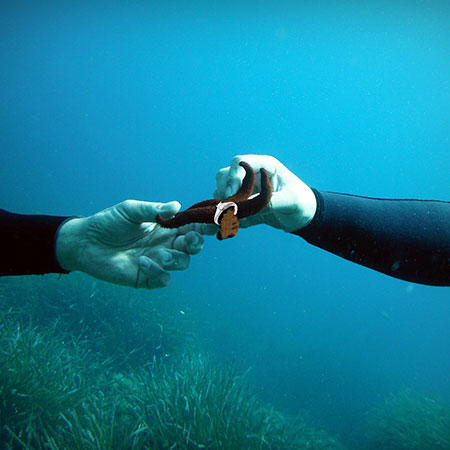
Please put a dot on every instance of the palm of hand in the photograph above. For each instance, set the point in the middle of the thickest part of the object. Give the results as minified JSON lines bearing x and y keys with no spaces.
{"x":114,"y":244}
{"x":124,"y":245}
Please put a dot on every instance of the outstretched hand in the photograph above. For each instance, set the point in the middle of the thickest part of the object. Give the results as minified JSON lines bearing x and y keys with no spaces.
{"x":293,"y":203}
{"x":123,"y":244}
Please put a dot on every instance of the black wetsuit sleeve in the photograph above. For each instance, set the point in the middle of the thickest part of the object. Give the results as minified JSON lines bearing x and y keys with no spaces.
{"x":28,"y":243}
{"x":406,"y":239}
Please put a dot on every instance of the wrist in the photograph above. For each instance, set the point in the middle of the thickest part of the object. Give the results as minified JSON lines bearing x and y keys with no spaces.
{"x":68,"y":243}
{"x":303,"y":209}
{"x":309,"y":207}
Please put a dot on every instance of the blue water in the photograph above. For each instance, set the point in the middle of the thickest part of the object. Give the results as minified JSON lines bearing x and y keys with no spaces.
{"x":100,"y":103}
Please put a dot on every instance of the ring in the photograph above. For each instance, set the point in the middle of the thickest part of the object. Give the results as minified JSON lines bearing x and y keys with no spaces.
{"x":222,"y":207}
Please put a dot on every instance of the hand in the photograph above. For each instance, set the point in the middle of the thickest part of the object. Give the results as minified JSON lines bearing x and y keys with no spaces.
{"x":124,"y":245}
{"x":293,"y":203}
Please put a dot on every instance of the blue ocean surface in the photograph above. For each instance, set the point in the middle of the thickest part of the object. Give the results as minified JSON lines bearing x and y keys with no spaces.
{"x":101,"y":102}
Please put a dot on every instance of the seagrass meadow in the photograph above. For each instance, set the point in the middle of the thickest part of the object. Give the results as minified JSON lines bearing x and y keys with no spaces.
{"x":79,"y":369}
{"x":265,"y":341}
{"x":407,"y":420}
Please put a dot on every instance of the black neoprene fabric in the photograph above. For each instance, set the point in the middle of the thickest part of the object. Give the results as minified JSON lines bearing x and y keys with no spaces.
{"x":406,"y":239}
{"x":28,"y":243}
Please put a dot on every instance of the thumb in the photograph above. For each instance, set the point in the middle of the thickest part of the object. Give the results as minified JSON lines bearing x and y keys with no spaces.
{"x":168,"y":209}
{"x":138,"y":211}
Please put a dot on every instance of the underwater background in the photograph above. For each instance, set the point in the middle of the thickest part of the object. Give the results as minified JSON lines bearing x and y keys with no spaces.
{"x":101,"y":102}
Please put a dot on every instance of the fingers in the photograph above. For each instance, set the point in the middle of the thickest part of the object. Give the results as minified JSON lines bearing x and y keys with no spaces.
{"x":151,"y":275}
{"x":170,"y":259}
{"x":137,"y":211}
{"x":170,"y":251}
{"x":226,"y":184}
{"x":229,"y":179}
{"x":200,"y":228}
{"x":257,"y":162}
{"x":153,"y":272}
{"x":190,"y":243}
{"x":168,"y":209}
{"x":209,"y":229}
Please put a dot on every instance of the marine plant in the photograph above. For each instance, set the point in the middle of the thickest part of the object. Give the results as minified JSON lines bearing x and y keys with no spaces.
{"x":40,"y":375}
{"x":56,"y":394}
{"x":197,"y":403}
{"x":127,"y":325}
{"x":409,"y":421}
{"x":68,"y":379}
